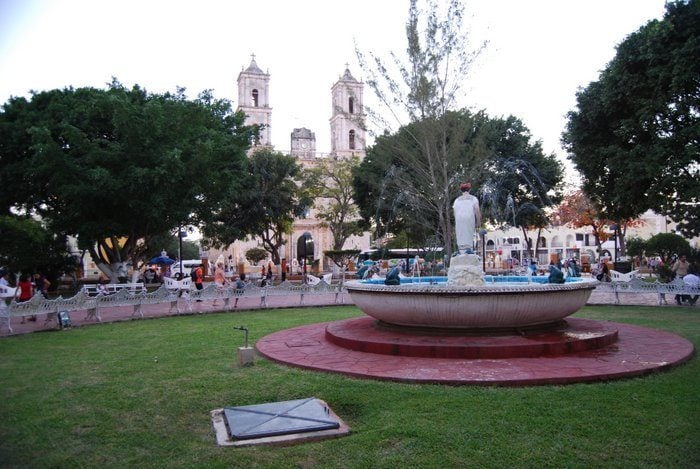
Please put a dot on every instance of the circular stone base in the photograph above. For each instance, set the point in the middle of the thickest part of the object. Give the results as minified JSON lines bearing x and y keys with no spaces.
{"x":574,"y":335}
{"x":638,"y":351}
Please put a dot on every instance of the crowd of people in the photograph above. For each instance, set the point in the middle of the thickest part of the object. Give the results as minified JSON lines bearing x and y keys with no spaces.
{"x":27,"y":286}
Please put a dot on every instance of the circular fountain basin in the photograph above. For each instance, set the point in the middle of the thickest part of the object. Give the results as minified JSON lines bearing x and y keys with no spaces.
{"x":503,"y":302}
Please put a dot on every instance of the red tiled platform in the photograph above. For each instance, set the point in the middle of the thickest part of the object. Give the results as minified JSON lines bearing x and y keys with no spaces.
{"x":574,"y":335}
{"x":637,"y":351}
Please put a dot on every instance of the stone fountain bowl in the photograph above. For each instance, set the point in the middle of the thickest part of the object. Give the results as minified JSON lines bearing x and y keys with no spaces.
{"x":510,"y":302}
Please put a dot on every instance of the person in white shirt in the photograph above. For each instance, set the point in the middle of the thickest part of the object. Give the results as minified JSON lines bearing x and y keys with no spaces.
{"x":691,"y":280}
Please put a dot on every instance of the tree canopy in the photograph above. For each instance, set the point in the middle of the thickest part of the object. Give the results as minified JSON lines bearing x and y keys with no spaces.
{"x":265,"y":206}
{"x":635,"y":135}
{"x":398,"y":189}
{"x":423,"y":87}
{"x":330,"y":183}
{"x":116,"y":167}
{"x":29,"y":247}
{"x":667,"y":245}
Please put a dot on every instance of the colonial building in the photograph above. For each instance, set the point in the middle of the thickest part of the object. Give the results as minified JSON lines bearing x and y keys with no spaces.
{"x":309,"y":237}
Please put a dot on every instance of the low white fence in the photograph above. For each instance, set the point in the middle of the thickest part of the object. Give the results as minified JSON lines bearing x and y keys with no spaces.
{"x":639,"y":285}
{"x":107,"y":288}
{"x":170,"y":293}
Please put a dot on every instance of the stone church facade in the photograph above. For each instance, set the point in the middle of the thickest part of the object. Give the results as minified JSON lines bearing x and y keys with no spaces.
{"x":348,"y":138}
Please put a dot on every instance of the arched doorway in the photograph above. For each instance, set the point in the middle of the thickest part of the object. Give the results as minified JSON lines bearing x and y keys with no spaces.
{"x":305,"y":250}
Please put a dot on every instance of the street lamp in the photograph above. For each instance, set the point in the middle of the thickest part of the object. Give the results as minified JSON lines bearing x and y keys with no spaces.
{"x":614,"y":228}
{"x":180,"y":234}
{"x":483,"y":232}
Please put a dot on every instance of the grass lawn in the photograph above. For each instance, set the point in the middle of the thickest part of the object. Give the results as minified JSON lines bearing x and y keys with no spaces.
{"x":139,"y":393}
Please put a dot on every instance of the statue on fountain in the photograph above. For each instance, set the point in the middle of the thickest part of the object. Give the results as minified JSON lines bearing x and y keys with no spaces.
{"x":467,"y":218}
{"x":466,"y":267}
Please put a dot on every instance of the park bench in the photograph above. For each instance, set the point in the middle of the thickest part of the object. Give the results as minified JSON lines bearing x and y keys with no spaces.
{"x":639,"y":285}
{"x":135,"y":296}
{"x":109,"y":288}
{"x":616,"y":276}
{"x":178,"y":288}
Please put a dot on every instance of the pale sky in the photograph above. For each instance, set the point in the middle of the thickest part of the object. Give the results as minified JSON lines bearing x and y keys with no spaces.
{"x":540,"y":51}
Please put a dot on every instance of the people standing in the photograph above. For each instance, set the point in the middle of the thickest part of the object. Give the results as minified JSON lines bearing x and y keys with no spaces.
{"x":693,"y":281}
{"x":25,"y":292}
{"x":198,"y":278}
{"x":240,"y":285}
{"x":219,"y":280}
{"x":270,"y":266}
{"x":680,"y":268}
{"x":41,"y":285}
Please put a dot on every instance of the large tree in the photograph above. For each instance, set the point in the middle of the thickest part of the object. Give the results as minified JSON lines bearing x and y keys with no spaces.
{"x":398,"y":190}
{"x":424,"y":87}
{"x":635,"y":135}
{"x":330,"y":183}
{"x":28,"y":247}
{"x":116,"y":167}
{"x":577,"y":211}
{"x":265,"y":207}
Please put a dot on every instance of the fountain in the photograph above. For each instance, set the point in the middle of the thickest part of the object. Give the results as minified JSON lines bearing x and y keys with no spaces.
{"x":508,"y":302}
{"x":472,"y":328}
{"x":467,"y":298}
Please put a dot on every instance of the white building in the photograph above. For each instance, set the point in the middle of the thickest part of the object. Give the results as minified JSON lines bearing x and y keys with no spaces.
{"x":560,"y":243}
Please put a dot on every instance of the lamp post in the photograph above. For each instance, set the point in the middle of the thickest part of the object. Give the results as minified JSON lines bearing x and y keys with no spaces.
{"x":180,"y":235}
{"x":483,"y":232}
{"x":614,"y":228}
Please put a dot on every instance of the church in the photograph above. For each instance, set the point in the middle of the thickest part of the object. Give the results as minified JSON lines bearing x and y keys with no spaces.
{"x":309,"y":238}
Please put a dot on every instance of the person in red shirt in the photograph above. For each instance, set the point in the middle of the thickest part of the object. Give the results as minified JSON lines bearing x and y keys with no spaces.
{"x":25,"y":292}
{"x":198,"y":278}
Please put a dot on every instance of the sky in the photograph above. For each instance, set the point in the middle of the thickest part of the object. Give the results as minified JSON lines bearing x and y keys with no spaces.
{"x":539,"y":52}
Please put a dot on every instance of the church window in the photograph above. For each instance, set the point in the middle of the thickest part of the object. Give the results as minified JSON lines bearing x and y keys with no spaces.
{"x":255,"y":98}
{"x":351,"y":105}
{"x":352,"y":139}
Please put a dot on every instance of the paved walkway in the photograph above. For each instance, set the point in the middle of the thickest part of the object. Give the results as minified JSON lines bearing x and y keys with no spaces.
{"x":125,"y":313}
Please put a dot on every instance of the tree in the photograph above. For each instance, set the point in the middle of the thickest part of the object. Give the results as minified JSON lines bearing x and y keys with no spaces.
{"x":438,"y":59}
{"x":399,"y":190}
{"x":636,"y":247}
{"x":169,"y":243}
{"x":520,"y":181}
{"x":255,"y":255}
{"x":666,"y":245}
{"x":577,"y":211}
{"x":342,"y":258}
{"x":330,"y":183}
{"x":28,"y":247}
{"x":266,"y":206}
{"x":116,"y":167}
{"x":635,"y":134}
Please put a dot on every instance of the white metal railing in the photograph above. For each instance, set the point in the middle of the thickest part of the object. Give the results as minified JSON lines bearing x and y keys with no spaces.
{"x":168,"y":293}
{"x":639,"y":285}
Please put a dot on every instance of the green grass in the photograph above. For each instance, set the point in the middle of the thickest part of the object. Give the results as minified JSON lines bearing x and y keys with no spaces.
{"x":139,"y":393}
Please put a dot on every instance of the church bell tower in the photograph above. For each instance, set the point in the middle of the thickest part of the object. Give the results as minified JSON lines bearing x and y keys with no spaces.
{"x":254,"y":100}
{"x":347,"y":118}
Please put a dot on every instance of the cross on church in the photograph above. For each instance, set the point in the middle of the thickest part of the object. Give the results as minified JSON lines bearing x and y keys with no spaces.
{"x":252,"y":57}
